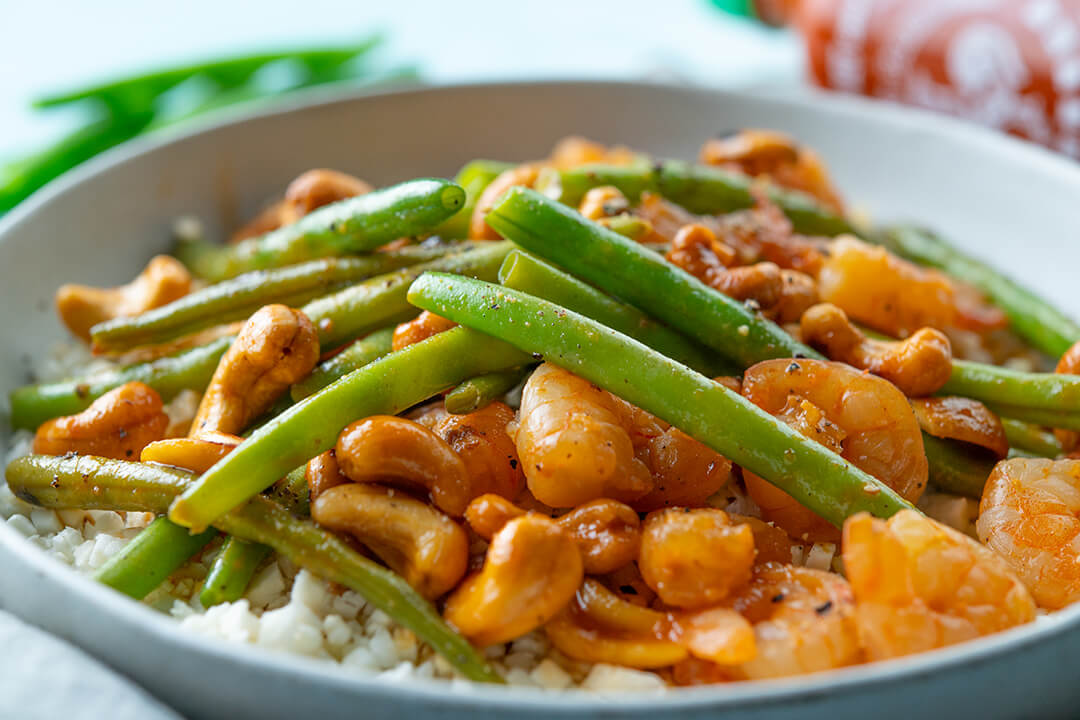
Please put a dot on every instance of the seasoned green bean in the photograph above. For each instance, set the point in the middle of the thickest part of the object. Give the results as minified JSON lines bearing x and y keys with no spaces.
{"x":349,"y":226}
{"x":239,"y":297}
{"x":1031,"y":438}
{"x":640,"y":277}
{"x":357,"y":355}
{"x":232,"y":570}
{"x":479,"y":392}
{"x":474,"y":177}
{"x":1001,"y":386}
{"x":1066,"y":420}
{"x":86,"y":482}
{"x":958,"y":467}
{"x":151,"y":557}
{"x":704,"y":409}
{"x":192,"y":369}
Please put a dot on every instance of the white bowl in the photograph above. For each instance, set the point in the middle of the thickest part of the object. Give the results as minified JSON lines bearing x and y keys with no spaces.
{"x":1009,"y":202}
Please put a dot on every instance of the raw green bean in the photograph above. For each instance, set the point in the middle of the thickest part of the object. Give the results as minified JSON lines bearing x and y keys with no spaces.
{"x":239,"y":297}
{"x":232,"y":570}
{"x":474,"y":177}
{"x":385,"y":387}
{"x":360,"y":353}
{"x":380,"y":301}
{"x":353,"y":225}
{"x":526,"y":273}
{"x":697,"y":188}
{"x":1033,"y":318}
{"x":87,"y":482}
{"x":192,"y":369}
{"x":958,"y":467}
{"x":150,"y":557}
{"x":640,"y":277}
{"x":479,"y":392}
{"x":1001,"y":386}
{"x":704,"y":409}
{"x":1031,"y":438}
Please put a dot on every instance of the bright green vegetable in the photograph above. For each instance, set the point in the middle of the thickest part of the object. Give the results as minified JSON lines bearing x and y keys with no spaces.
{"x":1031,"y":438}
{"x":640,"y":277}
{"x":524,"y":272}
{"x":1001,"y":386}
{"x":958,"y":467}
{"x":192,"y":369}
{"x":380,"y":301}
{"x":151,"y":557}
{"x":1066,"y":420}
{"x":1033,"y":318}
{"x":89,"y":482}
{"x":239,"y":297}
{"x":704,"y":409}
{"x":474,"y":177}
{"x":357,"y":355}
{"x":698,"y":188}
{"x":385,"y":387}
{"x":232,"y":570}
{"x":479,"y":392}
{"x":353,"y":225}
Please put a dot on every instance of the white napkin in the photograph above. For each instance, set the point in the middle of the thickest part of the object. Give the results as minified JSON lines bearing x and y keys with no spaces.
{"x":44,"y":678}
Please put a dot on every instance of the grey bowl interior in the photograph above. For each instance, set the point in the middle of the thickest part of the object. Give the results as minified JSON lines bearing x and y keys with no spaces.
{"x":1011,"y":203}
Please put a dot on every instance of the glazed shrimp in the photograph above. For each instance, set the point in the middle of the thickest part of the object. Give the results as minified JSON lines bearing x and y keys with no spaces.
{"x":803,"y":621}
{"x":579,"y":443}
{"x":1030,"y":515}
{"x":859,"y":416}
{"x":920,"y":585}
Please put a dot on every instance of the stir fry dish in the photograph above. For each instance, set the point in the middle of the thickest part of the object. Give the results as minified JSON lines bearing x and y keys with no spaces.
{"x":599,"y":420}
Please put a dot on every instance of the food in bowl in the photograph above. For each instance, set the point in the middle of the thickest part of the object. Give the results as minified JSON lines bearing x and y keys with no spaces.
{"x":596,"y":420}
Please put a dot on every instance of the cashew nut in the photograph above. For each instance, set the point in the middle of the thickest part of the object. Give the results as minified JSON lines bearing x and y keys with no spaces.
{"x":384,"y":448}
{"x":81,"y":307}
{"x":197,"y":454}
{"x":604,"y":201}
{"x":695,"y":558}
{"x":421,"y":544}
{"x":481,"y":440}
{"x":119,"y":424}
{"x":919,"y":365}
{"x":276,"y":347}
{"x":323,"y":473}
{"x":531,"y":571}
{"x":607,"y":532}
{"x":420,"y":328}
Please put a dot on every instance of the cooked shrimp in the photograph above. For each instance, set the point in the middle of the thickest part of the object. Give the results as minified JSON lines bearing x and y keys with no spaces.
{"x":860,"y":416}
{"x":579,"y":443}
{"x":1030,"y":515}
{"x":920,"y":585}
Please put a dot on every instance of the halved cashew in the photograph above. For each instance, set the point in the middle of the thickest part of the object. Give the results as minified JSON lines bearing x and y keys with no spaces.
{"x":420,"y":328}
{"x":695,"y":558}
{"x":599,"y":627}
{"x":919,"y":365}
{"x":309,"y":191}
{"x":607,"y":532}
{"x":276,"y":347}
{"x":384,"y":448}
{"x":963,"y":419}
{"x":119,"y":424}
{"x":532,"y":570}
{"x":525,"y":174}
{"x":696,"y":249}
{"x":604,"y":201}
{"x":481,"y":440}
{"x":82,"y":307}
{"x":197,"y":454}
{"x":323,"y":473}
{"x":421,"y":544}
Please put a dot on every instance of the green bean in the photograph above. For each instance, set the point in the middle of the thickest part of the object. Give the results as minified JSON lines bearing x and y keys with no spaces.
{"x":89,"y":482}
{"x":1033,"y":318}
{"x":479,"y":392}
{"x":385,"y":387}
{"x":697,"y":188}
{"x":1031,"y":438}
{"x":958,"y":467}
{"x":1001,"y":386}
{"x":380,"y":301}
{"x":524,"y":272}
{"x":232,"y":570}
{"x":360,"y":353}
{"x":192,"y":369}
{"x":640,"y":277}
{"x":150,"y":557}
{"x":1063,"y":419}
{"x":474,"y":177}
{"x":239,"y":297}
{"x":349,"y":226}
{"x":704,"y":409}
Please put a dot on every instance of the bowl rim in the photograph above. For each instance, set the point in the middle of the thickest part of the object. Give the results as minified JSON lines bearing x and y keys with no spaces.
{"x":313,"y":672}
